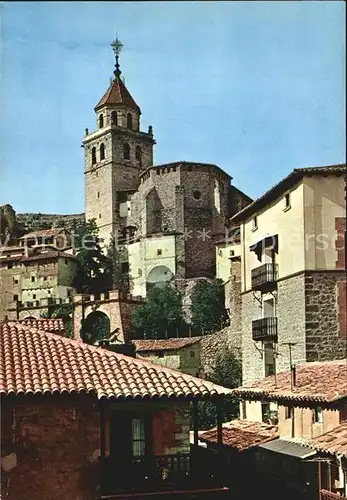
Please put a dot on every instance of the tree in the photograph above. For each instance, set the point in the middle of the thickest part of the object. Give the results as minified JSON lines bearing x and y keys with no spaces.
{"x":161,"y":316}
{"x":64,"y":312}
{"x":93,"y":273}
{"x":227,"y":372}
{"x":208,"y":306}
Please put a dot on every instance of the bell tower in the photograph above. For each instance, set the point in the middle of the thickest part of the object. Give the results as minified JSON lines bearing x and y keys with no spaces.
{"x":115,"y":154}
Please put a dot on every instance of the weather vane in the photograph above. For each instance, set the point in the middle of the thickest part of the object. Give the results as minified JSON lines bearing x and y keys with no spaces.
{"x":117,"y":49}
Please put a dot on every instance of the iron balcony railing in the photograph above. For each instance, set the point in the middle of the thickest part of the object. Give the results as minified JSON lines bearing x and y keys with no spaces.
{"x":265,"y":329}
{"x":264,"y":277}
{"x":329,"y":495}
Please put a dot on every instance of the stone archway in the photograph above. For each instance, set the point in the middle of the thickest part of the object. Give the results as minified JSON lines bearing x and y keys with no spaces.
{"x":94,"y":327}
{"x":158,"y":276}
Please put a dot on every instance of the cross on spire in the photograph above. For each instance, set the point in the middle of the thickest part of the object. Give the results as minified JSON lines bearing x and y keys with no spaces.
{"x":117,"y":48}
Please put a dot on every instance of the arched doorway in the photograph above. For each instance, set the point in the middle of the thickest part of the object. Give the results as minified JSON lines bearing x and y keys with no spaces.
{"x":158,"y":276}
{"x":95,"y":326}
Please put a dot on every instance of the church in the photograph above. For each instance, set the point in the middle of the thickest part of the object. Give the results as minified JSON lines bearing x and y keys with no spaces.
{"x":166,"y":219}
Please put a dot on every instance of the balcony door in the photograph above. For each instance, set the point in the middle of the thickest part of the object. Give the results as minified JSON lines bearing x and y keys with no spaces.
{"x":269,"y":308}
{"x":130,"y":438}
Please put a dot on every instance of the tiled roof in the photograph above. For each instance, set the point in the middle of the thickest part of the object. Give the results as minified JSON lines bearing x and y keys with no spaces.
{"x":324,"y":381}
{"x":53,"y":325}
{"x":165,"y":344}
{"x":117,"y":93}
{"x":184,"y":164}
{"x":241,"y":434}
{"x":36,"y":362}
{"x":272,"y":194}
{"x":48,"y":255}
{"x":43,"y":232}
{"x":333,"y":442}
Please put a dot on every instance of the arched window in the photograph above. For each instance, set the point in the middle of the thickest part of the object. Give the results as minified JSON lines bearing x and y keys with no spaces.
{"x":126,"y":151}
{"x":93,"y":156}
{"x":138,"y":153}
{"x":129,"y":120}
{"x":114,"y":118}
{"x":101,"y":121}
{"x":102,"y":151}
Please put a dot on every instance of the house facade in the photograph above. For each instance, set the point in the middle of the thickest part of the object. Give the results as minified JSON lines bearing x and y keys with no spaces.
{"x":80,"y":421}
{"x":182,"y":354}
{"x":309,"y":404}
{"x":30,"y":276}
{"x":293,"y":272}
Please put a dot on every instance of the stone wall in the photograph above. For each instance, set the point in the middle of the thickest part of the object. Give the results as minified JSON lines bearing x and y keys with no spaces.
{"x":290,"y":312}
{"x":323,"y":295}
{"x":215,"y":345}
{"x":57,"y":445}
{"x":252,"y":355}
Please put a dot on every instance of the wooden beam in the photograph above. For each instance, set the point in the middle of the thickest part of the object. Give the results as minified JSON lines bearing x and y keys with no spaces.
{"x":195,"y":423}
{"x":219,"y":421}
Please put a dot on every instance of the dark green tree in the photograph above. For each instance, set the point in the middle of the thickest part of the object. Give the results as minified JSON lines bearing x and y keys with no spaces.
{"x":65,"y":312}
{"x":94,"y":268}
{"x":161,"y":316}
{"x":227,"y":372}
{"x":96,"y":326}
{"x":208,"y":306}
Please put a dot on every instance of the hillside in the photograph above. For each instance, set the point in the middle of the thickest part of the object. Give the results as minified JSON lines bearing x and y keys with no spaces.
{"x":37,"y":221}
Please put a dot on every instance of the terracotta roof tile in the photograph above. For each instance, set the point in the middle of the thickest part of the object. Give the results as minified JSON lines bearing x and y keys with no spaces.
{"x":117,"y":93}
{"x":53,"y":325}
{"x":165,"y":344}
{"x":333,"y":442}
{"x":324,"y":381}
{"x":48,"y":255}
{"x":241,"y":434}
{"x":43,"y":232}
{"x":36,"y":362}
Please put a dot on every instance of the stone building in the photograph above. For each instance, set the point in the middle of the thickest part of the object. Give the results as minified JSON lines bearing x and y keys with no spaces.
{"x":28,"y":276}
{"x":293,"y":278}
{"x":166,"y":217}
{"x":182,"y":354}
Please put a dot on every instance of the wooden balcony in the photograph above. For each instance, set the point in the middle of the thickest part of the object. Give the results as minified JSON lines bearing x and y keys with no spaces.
{"x":264,"y":277}
{"x":159,"y":477}
{"x":265,"y":329}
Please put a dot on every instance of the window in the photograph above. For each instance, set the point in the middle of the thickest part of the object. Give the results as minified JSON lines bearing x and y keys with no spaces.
{"x":196,"y":194}
{"x":34,"y":296}
{"x":114,"y":118}
{"x":138,"y":437}
{"x":101,"y":121}
{"x":93,"y":156}
{"x":138,"y":153}
{"x":124,"y":267}
{"x":159,"y":354}
{"x":32,"y":279}
{"x":255,"y":223}
{"x":192,"y":354}
{"x":126,"y":151}
{"x":15,"y":281}
{"x":45,"y":278}
{"x":66,"y":262}
{"x":129,"y":120}
{"x":15,"y":298}
{"x":139,"y":272}
{"x":317,"y":415}
{"x":9,"y":265}
{"x":288,"y":412}
{"x":159,"y":251}
{"x":98,"y":195}
{"x":287,"y":200}
{"x":265,"y":411}
{"x":99,"y":216}
{"x":102,"y":151}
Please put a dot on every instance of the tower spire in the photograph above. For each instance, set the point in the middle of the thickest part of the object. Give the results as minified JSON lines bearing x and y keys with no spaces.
{"x":117,"y":48}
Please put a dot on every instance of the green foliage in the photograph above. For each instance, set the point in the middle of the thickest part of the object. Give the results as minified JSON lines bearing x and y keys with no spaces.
{"x":65,"y":312}
{"x":94,"y":274}
{"x":208,"y":306}
{"x":227,"y":372}
{"x":161,"y":316}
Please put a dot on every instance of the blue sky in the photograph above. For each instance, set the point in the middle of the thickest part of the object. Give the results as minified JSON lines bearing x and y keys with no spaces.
{"x":256,"y":87}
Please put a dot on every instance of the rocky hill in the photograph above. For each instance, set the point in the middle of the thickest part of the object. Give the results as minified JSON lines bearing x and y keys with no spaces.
{"x":13,"y":225}
{"x":38,"y":221}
